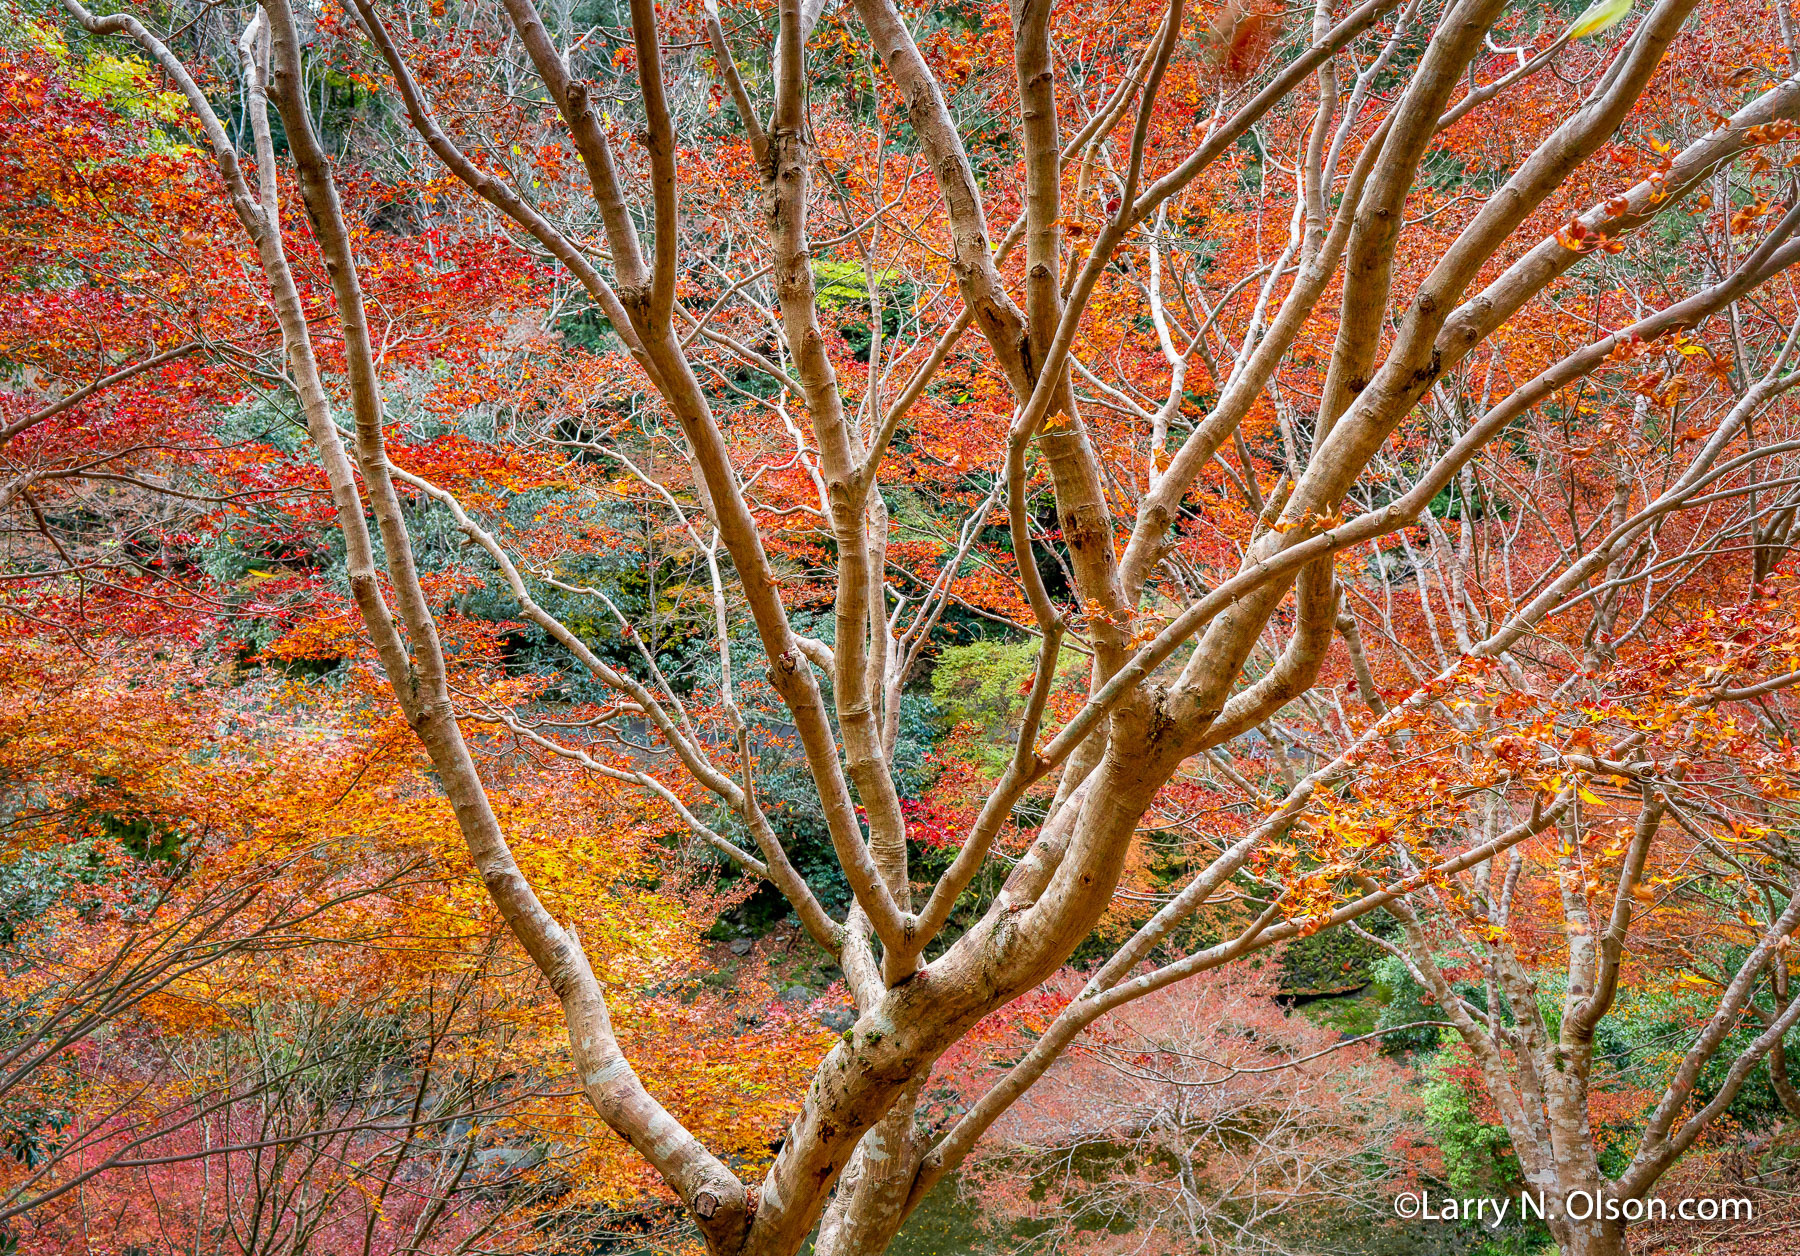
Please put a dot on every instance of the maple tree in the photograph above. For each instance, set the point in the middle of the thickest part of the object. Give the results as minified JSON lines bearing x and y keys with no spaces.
{"x":1201,"y":1118}
{"x":1127,"y":330}
{"x":248,"y":992}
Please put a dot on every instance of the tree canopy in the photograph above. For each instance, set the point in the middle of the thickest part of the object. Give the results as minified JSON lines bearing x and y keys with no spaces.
{"x":1062,"y":513}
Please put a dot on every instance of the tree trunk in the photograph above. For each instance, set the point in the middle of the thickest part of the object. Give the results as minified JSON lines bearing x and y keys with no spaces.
{"x":869,"y":1205}
{"x":1593,"y":1237}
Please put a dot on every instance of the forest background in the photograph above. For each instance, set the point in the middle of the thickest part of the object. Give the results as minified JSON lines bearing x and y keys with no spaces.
{"x":1477,"y":877}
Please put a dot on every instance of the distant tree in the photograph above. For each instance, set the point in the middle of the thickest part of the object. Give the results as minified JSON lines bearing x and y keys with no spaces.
{"x":1203,"y":1118}
{"x":248,"y":1004}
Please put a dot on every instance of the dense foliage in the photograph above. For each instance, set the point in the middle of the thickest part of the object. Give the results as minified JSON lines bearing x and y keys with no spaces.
{"x":1177,"y":618}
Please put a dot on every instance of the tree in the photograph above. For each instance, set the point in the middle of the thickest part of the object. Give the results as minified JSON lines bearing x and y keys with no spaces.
{"x":1359,"y":249}
{"x":1664,"y":894}
{"x":1202,"y":1118}
{"x":248,"y":1000}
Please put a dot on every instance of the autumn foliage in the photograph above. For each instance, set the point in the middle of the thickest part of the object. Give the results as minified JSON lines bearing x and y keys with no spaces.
{"x":691,"y":625}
